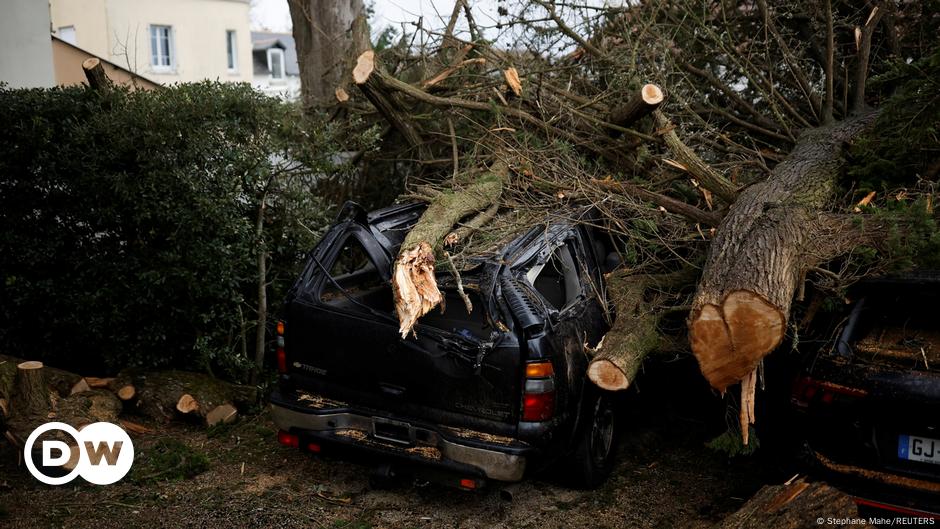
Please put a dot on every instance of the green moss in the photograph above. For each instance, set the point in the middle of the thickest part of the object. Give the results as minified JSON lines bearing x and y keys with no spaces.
{"x":731,"y":444}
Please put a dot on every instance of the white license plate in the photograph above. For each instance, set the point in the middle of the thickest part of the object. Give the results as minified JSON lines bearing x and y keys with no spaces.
{"x":914,"y":448}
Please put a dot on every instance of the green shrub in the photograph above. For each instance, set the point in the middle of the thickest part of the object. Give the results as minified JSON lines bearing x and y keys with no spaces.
{"x":127,"y":222}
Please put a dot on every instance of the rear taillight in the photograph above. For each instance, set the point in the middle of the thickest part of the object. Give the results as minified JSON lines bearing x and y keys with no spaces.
{"x":281,"y":354}
{"x":807,"y":390}
{"x":288,"y":439}
{"x":538,"y":401}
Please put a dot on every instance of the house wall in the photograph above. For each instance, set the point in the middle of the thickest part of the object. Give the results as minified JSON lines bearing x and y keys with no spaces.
{"x":25,"y":47}
{"x":68,"y":68}
{"x":119,"y":30}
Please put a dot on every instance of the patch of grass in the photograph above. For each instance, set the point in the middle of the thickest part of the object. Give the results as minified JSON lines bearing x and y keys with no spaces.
{"x":731,"y":444}
{"x":168,"y":460}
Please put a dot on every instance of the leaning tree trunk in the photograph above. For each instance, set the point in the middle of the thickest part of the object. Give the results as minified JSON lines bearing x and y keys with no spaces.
{"x":772,"y":234}
{"x":413,"y":282}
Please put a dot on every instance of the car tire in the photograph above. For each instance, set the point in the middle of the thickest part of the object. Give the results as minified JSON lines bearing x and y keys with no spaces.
{"x":595,"y":447}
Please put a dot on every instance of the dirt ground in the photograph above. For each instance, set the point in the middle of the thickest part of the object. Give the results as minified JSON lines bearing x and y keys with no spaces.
{"x":665,"y":477}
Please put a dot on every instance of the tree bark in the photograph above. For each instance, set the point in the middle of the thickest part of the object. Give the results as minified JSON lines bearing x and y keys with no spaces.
{"x":770,"y":236}
{"x":30,"y":394}
{"x":413,"y":282}
{"x":641,"y":104}
{"x":794,"y":505}
{"x":327,"y":35}
{"x":95,"y":74}
{"x":634,"y":334}
{"x":372,"y":81}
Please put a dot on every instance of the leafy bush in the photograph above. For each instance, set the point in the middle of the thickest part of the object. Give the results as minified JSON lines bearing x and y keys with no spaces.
{"x":128,"y":221}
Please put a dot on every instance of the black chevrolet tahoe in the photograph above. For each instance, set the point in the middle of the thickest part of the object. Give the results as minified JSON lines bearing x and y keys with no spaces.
{"x":472,"y":396}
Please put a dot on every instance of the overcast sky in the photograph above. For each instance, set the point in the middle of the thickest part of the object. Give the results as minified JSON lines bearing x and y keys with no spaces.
{"x":273,"y":14}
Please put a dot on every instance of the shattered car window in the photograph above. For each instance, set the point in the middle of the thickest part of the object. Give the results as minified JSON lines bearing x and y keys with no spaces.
{"x":557,"y":278}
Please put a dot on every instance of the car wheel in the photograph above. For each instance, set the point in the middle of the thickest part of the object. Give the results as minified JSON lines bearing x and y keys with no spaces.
{"x":595,"y":448}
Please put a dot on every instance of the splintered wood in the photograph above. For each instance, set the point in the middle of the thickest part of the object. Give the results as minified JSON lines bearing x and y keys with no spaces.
{"x":730,"y":340}
{"x":414,"y":286}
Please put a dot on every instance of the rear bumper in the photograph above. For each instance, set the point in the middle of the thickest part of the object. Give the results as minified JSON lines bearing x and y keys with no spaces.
{"x":436,"y":447}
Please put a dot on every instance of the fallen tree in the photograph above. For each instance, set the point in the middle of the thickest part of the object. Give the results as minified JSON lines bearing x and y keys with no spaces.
{"x":739,"y":174}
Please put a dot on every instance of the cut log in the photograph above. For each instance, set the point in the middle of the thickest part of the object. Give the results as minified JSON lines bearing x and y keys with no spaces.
{"x":94,"y":72}
{"x":414,"y":285}
{"x":30,"y":394}
{"x":642,"y":104}
{"x":160,"y":395}
{"x":794,"y":505}
{"x":134,"y":427}
{"x":771,"y":235}
{"x":187,"y":404}
{"x":80,"y":386}
{"x":634,"y":334}
{"x":94,"y":405}
{"x":225,"y":413}
{"x":98,"y":383}
{"x":126,"y":392}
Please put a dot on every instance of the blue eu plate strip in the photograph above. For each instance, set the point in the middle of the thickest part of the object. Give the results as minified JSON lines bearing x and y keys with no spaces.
{"x":903,"y":443}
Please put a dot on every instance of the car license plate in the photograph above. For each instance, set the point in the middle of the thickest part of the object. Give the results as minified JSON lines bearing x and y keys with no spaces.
{"x":914,"y":448}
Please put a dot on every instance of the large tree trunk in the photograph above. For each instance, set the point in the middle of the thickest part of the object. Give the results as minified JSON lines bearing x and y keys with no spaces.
{"x":328,"y":35}
{"x":772,"y":234}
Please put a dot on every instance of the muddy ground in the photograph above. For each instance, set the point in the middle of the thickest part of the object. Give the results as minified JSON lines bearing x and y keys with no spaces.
{"x":237,"y":476}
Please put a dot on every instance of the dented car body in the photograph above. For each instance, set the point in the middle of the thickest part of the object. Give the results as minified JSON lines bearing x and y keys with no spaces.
{"x":489,"y":387}
{"x":870,"y":407}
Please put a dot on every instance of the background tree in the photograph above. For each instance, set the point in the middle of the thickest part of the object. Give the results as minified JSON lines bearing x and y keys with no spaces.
{"x":328,"y":35}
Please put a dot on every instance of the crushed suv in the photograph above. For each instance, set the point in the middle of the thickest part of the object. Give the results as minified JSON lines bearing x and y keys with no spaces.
{"x":470,"y":397}
{"x":869,"y":407}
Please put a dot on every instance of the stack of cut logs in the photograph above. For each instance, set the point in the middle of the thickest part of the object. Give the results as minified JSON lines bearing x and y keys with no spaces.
{"x":32,"y":394}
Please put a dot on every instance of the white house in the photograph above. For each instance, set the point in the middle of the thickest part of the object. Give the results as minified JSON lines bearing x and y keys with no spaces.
{"x":164,"y":40}
{"x":275,"y":65}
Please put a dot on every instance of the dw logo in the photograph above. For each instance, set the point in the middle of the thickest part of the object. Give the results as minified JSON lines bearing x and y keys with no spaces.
{"x":105,"y":453}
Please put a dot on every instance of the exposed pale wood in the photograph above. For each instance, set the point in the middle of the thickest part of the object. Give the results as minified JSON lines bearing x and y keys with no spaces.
{"x":80,"y":386}
{"x":771,"y":235}
{"x":641,"y":104}
{"x":96,"y":382}
{"x":512,"y":80}
{"x":793,"y":505}
{"x":126,"y":392}
{"x":225,"y":413}
{"x":30,"y":394}
{"x":135,"y":427}
{"x":95,"y":74}
{"x":414,"y":285}
{"x":187,"y":404}
{"x":617,"y":359}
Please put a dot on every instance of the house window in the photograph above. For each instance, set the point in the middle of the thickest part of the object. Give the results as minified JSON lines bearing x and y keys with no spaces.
{"x":231,"y":50}
{"x":161,"y":48}
{"x":276,"y":63}
{"x":67,"y":33}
